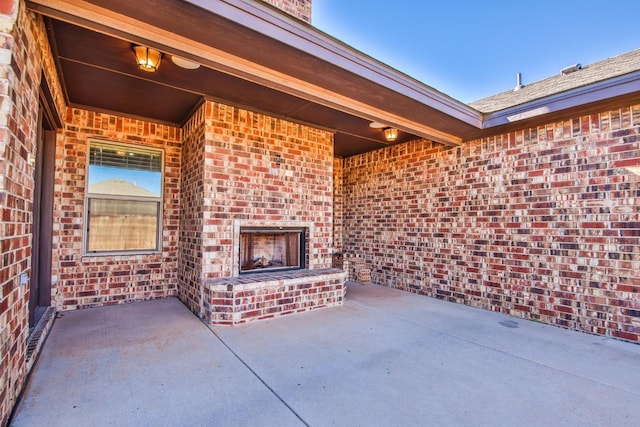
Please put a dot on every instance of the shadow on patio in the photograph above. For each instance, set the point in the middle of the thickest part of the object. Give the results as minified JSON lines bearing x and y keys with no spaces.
{"x":385,"y":358}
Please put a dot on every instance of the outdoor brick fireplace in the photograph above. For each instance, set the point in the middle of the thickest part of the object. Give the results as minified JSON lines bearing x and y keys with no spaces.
{"x":271,"y":246}
{"x":274,"y":274}
{"x":257,"y":217}
{"x":271,"y":249}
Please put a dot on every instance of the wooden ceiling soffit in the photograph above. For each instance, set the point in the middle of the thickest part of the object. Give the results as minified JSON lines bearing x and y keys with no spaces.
{"x":105,"y":21}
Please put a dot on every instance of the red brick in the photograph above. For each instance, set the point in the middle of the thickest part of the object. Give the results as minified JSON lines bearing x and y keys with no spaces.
{"x":525,"y":208}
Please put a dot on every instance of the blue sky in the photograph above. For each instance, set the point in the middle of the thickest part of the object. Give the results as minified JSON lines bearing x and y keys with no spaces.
{"x":473,"y":49}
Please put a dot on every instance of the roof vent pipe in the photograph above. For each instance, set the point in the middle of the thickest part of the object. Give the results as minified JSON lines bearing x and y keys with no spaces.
{"x":570,"y":69}
{"x":519,"y":84}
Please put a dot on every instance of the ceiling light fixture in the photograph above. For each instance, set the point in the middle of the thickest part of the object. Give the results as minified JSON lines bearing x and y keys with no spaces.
{"x":390,"y":134}
{"x":147,"y":59}
{"x":184,"y":63}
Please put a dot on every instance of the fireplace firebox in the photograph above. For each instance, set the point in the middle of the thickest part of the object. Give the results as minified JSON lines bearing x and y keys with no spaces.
{"x":264,"y":249}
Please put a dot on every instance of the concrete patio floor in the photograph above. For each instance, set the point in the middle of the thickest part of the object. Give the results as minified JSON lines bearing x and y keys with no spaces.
{"x":385,"y":358}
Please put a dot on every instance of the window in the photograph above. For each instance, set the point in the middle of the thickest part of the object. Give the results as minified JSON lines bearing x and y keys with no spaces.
{"x":124,"y":198}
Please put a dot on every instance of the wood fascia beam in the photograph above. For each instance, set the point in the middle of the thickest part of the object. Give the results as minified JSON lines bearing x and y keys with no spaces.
{"x":95,"y":18}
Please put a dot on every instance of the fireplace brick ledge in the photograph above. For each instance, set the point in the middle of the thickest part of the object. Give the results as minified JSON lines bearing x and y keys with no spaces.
{"x":259,"y":296}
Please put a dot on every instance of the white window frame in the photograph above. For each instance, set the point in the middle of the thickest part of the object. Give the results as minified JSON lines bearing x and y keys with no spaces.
{"x":88,"y":196}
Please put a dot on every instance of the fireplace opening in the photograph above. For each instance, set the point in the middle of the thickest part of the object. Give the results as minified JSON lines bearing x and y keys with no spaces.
{"x":271,"y":248}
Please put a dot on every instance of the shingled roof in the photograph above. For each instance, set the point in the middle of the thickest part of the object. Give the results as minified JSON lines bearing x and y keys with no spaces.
{"x":590,"y":74}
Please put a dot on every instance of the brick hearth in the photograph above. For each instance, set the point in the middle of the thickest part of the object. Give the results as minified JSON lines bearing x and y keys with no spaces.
{"x":260,"y":296}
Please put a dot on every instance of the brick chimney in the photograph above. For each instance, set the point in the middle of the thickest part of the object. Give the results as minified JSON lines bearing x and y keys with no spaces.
{"x":300,"y":9}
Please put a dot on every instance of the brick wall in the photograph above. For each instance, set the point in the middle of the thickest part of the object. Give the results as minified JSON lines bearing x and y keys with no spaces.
{"x":338,"y":205}
{"x":47,"y":63}
{"x":300,"y":9}
{"x":86,"y":281}
{"x":254,"y":297}
{"x":543,"y":223}
{"x":25,"y":57}
{"x":25,"y":53}
{"x":243,"y":182}
{"x":232,"y":176}
{"x":191,"y":213}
